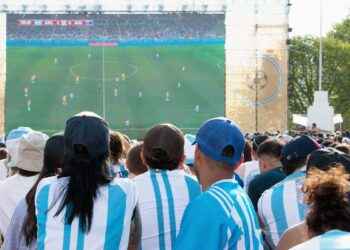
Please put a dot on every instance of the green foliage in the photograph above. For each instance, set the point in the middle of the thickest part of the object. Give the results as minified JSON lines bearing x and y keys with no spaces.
{"x":303,"y":71}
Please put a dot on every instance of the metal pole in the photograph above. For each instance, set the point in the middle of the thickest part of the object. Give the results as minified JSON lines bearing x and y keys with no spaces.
{"x":320,"y":74}
{"x":103,"y":84}
{"x":256,"y":81}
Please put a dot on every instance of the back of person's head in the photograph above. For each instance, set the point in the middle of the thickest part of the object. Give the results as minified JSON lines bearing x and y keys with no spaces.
{"x":221,"y":141}
{"x":271,"y":147}
{"x":127,"y":143}
{"x":134,"y":161}
{"x":326,"y":158}
{"x":327,"y":194}
{"x":257,"y":140}
{"x":163,"y":147}
{"x":294,"y":154}
{"x":52,"y":164}
{"x":115,"y":146}
{"x":86,"y":141}
{"x":247,"y":151}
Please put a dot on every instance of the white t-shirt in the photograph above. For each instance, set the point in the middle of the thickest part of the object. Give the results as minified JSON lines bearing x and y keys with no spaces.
{"x":332,"y":240}
{"x":12,"y":191}
{"x":112,"y":213}
{"x":248,"y":171}
{"x":3,"y":170}
{"x":164,"y":195}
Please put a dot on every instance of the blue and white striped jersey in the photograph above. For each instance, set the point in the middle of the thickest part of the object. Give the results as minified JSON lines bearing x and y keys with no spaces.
{"x":247,"y":172}
{"x":332,"y":240}
{"x":113,"y":210}
{"x":163,"y":197}
{"x":220,"y":218}
{"x":282,"y":206}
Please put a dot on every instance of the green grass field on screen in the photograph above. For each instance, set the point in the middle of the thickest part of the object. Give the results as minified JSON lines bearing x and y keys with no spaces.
{"x":144,"y":86}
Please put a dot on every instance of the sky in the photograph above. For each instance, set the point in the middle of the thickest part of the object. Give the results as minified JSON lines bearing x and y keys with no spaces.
{"x":305,"y":15}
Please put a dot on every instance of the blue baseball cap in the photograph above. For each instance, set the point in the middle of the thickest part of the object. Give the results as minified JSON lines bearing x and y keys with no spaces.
{"x":215,"y":136}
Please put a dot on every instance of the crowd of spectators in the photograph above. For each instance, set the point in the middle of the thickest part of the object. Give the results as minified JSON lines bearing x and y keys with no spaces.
{"x":94,"y":188}
{"x":120,"y":27}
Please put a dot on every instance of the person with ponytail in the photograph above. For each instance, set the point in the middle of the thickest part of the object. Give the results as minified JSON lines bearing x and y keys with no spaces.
{"x":21,"y":234}
{"x":165,"y":189}
{"x":328,"y":220}
{"x":83,"y":207}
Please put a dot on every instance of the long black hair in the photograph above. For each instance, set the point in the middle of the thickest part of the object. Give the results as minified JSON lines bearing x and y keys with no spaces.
{"x":85,"y":163}
{"x":53,"y":160}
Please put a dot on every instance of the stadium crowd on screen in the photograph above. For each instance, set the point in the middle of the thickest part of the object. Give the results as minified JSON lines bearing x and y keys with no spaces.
{"x":93,"y":188}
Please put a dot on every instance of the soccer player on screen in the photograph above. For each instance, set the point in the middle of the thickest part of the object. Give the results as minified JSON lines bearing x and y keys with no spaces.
{"x":33,"y":78}
{"x":167,"y":96}
{"x":29,"y":105}
{"x":77,"y":79}
{"x":26,"y":91}
{"x":64,"y":100}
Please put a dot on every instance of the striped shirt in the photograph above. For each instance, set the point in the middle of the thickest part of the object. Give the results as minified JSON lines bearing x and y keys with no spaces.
{"x":113,"y":209}
{"x":282,"y":207}
{"x":220,"y":218}
{"x":164,"y":195}
{"x":331,"y":240}
{"x":248,"y":171}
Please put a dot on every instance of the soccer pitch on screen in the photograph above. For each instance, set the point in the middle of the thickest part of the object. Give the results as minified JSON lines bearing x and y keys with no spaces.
{"x":135,"y":86}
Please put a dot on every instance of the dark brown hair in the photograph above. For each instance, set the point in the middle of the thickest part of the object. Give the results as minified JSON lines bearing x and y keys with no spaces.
{"x":163,"y":147}
{"x":134,"y":162}
{"x":271,"y":148}
{"x":115,"y":146}
{"x":327,"y":194}
{"x":247,"y":151}
{"x":53,"y":160}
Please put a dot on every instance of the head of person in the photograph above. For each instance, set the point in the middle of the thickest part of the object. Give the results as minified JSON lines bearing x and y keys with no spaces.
{"x":127,"y":143}
{"x":247,"y":151}
{"x":256,"y":141}
{"x":163,"y":147}
{"x":86,"y":151}
{"x":295,"y":153}
{"x":327,"y":193}
{"x":134,"y":162}
{"x":219,"y":150}
{"x":269,"y":154}
{"x":52,"y":165}
{"x":115,"y":147}
{"x":12,"y":140}
{"x":27,"y":157}
{"x":325,"y":158}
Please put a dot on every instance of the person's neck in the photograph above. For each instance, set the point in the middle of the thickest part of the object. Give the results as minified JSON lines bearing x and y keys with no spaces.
{"x":273,"y":165}
{"x":215,"y":177}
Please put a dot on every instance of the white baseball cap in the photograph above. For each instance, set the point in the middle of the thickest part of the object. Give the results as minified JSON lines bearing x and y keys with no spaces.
{"x":29,"y":155}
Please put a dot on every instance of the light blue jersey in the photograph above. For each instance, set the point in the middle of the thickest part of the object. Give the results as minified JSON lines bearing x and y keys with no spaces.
{"x":113,"y":210}
{"x":220,"y":218}
{"x":332,"y":240}
{"x":163,"y":197}
{"x":282,"y":207}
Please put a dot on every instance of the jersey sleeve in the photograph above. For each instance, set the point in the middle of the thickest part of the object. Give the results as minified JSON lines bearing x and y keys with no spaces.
{"x":201,"y":228}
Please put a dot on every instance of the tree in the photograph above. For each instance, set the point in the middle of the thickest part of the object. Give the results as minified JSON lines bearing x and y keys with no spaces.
{"x":341,"y":31}
{"x":303,"y":71}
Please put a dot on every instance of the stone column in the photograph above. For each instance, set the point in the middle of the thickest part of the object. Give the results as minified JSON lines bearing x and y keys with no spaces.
{"x":256,"y":64}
